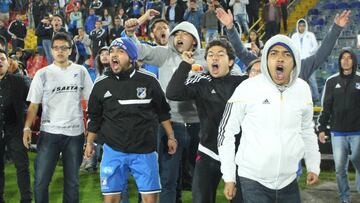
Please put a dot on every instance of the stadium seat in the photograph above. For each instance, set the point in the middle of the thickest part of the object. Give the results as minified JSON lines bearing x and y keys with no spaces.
{"x":330,"y":6}
{"x":313,"y":11}
{"x":320,"y":22}
{"x":357,"y":19}
{"x":311,"y":18}
{"x":343,"y":5}
{"x":355,"y":5}
{"x":313,"y":22}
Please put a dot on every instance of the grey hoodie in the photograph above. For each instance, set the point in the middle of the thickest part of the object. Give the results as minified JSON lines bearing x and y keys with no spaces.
{"x":168,"y":60}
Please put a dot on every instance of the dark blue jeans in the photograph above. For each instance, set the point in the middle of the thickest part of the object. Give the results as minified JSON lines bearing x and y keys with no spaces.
{"x":169,"y":164}
{"x":19,"y":155}
{"x":206,"y":180}
{"x":254,"y":192}
{"x":49,"y":147}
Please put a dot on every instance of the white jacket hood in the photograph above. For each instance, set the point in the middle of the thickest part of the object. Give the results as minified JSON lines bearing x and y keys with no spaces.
{"x":306,"y":26}
{"x":281,"y":39}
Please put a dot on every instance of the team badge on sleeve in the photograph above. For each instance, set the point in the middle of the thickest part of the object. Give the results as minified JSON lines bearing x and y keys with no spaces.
{"x":357,"y":85}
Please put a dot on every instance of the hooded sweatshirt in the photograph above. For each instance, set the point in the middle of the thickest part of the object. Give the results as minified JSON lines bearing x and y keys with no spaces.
{"x":168,"y":60}
{"x":306,"y":41}
{"x":277,"y":127}
{"x":340,"y":101}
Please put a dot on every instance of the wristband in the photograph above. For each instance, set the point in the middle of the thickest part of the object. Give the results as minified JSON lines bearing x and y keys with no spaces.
{"x":172,"y":139}
{"x":26,"y":129}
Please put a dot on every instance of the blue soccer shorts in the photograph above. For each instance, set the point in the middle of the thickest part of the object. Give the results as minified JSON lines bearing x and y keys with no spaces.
{"x":116,"y":166}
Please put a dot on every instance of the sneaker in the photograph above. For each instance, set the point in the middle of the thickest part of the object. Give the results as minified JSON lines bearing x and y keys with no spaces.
{"x":91,"y":170}
{"x":82,"y":166}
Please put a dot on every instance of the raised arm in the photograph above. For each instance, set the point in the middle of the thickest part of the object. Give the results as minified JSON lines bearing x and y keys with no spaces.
{"x":241,"y":52}
{"x":311,"y":63}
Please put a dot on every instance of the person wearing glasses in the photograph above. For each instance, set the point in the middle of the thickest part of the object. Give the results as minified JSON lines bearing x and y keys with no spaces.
{"x":59,"y":88}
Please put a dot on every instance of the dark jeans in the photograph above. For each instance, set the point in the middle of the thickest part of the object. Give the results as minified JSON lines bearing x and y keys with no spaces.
{"x":206,"y":180}
{"x":284,"y":15}
{"x":253,"y":13}
{"x":169,"y":164}
{"x":271,"y":29}
{"x":254,"y":192}
{"x":21,"y":160}
{"x":187,"y":166}
{"x":49,"y":147}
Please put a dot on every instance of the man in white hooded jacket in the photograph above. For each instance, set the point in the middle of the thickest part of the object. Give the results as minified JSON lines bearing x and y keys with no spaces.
{"x":307,"y":44}
{"x":274,"y":111}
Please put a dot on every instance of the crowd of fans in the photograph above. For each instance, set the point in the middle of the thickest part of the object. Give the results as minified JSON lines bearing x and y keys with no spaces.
{"x":166,"y":29}
{"x":93,"y":24}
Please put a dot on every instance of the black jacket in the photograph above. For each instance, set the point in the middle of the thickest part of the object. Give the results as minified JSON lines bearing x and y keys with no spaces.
{"x":46,"y":31}
{"x":115,"y":32}
{"x":5,"y":34}
{"x":18,"y":28}
{"x":125,"y":110}
{"x":179,"y":12}
{"x":210,"y":95}
{"x":14,"y":119}
{"x":341,"y":99}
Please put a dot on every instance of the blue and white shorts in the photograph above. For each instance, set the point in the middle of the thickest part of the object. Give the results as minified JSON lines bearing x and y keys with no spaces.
{"x":116,"y":166}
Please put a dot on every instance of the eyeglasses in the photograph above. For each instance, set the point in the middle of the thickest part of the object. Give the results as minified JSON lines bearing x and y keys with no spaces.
{"x":62,"y":48}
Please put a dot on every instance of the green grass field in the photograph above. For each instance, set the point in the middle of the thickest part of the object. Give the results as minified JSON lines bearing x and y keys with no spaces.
{"x":90,"y":186}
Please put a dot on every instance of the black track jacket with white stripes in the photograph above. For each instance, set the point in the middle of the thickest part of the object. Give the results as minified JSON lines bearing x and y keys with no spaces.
{"x":125,"y":109}
{"x":340,"y":100}
{"x":210,"y":95}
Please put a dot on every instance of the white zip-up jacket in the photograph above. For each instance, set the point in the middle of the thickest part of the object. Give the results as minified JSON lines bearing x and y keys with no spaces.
{"x":277,"y":128}
{"x":309,"y":43}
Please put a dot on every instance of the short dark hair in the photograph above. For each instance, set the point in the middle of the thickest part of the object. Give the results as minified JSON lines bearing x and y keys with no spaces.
{"x":2,"y":51}
{"x":222,"y":43}
{"x":157,"y":20}
{"x":62,"y":36}
{"x":301,"y":21}
{"x":18,"y":49}
{"x":251,"y":64}
{"x":59,"y":16}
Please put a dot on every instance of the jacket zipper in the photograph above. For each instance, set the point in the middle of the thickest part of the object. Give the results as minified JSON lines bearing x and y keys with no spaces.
{"x":345,"y":96}
{"x":280,"y":148}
